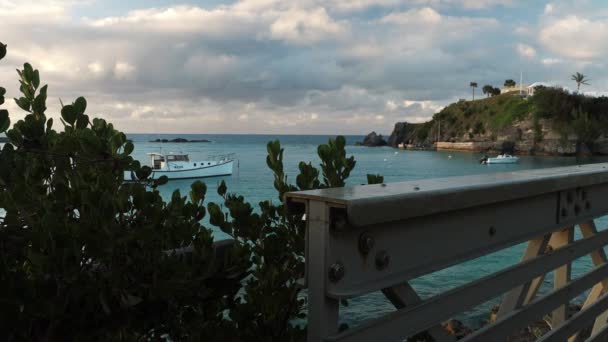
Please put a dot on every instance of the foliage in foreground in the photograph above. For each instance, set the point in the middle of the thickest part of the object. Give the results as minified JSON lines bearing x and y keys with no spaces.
{"x":86,"y":256}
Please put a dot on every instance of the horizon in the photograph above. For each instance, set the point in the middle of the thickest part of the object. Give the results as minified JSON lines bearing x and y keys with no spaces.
{"x":306,"y":67}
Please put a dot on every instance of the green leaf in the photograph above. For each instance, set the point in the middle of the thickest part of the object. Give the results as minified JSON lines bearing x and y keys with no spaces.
{"x":39,"y":105}
{"x":198,"y":190}
{"x":216,"y":216}
{"x":221,"y":189}
{"x":23,"y":103}
{"x":129,"y":147}
{"x":162,"y":180}
{"x":28,"y":72}
{"x":49,"y":125}
{"x":36,"y":79}
{"x":2,"y":92}
{"x":5,"y":121}
{"x":143,"y":173}
{"x":2,"y":50}
{"x":82,"y":122}
{"x":15,"y":137}
{"x":80,"y":105}
{"x":68,"y":114}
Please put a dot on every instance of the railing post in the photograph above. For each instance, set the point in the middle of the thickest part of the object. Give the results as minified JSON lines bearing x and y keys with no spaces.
{"x":323,"y":311}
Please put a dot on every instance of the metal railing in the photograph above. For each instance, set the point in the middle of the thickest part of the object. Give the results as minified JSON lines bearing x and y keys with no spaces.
{"x":371,"y":238}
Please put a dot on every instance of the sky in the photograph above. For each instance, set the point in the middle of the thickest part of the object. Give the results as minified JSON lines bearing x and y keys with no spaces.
{"x":293,"y":66}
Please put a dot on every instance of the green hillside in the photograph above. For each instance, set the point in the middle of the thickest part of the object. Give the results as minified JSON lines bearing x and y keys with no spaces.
{"x":551,"y":120}
{"x":471,"y":119}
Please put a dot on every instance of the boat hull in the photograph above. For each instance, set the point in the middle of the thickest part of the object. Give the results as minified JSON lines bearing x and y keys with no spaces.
{"x":502,"y":160}
{"x":222,"y":169}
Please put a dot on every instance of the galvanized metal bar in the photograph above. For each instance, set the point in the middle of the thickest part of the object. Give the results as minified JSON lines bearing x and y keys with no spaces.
{"x":599,"y":258}
{"x":404,"y":295}
{"x":516,"y":297}
{"x":373,"y":204}
{"x":563,"y":274}
{"x":407,"y":322}
{"x":521,"y":317}
{"x":578,"y":321}
{"x":599,"y":336}
{"x":323,"y":311}
{"x":466,"y":234}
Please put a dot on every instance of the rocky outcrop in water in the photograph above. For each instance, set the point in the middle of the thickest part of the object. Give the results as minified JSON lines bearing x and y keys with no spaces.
{"x":180,"y":140}
{"x":373,"y":140}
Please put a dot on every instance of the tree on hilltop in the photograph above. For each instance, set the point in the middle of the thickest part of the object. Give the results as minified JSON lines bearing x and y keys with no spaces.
{"x":487,"y":90}
{"x":510,"y":83}
{"x":579,"y":79}
{"x":473,"y":85}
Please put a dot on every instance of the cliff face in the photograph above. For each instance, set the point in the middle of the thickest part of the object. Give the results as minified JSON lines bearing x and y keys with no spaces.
{"x":485,"y":125}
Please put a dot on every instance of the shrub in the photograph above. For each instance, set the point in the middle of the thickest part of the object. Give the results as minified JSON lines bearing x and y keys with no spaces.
{"x":478,"y":128}
{"x":89,"y":257}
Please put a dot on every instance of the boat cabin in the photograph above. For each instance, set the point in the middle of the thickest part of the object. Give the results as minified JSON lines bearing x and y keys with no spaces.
{"x":159,"y":161}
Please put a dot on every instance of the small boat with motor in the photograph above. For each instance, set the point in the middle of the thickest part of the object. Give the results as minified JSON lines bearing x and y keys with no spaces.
{"x":500,"y":159}
{"x":179,"y":166}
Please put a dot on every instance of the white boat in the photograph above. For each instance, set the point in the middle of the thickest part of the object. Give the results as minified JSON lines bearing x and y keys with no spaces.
{"x":179,"y":166}
{"x":500,"y":159}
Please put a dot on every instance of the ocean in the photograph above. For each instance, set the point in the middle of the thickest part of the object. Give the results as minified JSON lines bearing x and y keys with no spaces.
{"x":253,"y":180}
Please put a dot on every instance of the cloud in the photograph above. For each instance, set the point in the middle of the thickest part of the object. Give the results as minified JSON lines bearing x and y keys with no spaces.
{"x":576,"y":37}
{"x":123,"y":70}
{"x":277,"y":66}
{"x":306,"y":26}
{"x":525,"y":50}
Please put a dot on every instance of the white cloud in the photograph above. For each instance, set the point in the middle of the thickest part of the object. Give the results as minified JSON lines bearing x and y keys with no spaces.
{"x":526,"y":51}
{"x":96,"y":68}
{"x":550,"y":61}
{"x":306,"y":26}
{"x":123,"y":70}
{"x":413,"y":17}
{"x":576,"y":38}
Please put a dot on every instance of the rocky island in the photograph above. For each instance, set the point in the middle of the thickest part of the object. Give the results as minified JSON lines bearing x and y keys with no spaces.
{"x":552,"y":122}
{"x":180,"y":140}
{"x":373,"y":140}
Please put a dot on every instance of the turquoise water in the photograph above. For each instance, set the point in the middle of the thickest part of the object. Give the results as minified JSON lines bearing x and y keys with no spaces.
{"x":253,"y":180}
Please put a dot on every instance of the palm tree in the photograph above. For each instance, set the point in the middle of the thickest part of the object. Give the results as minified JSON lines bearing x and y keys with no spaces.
{"x":579,"y":79}
{"x":473,"y":85}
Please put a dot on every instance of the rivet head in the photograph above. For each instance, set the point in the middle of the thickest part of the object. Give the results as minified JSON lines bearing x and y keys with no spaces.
{"x":366,"y":243}
{"x":382,"y":260}
{"x":336,"y":272}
